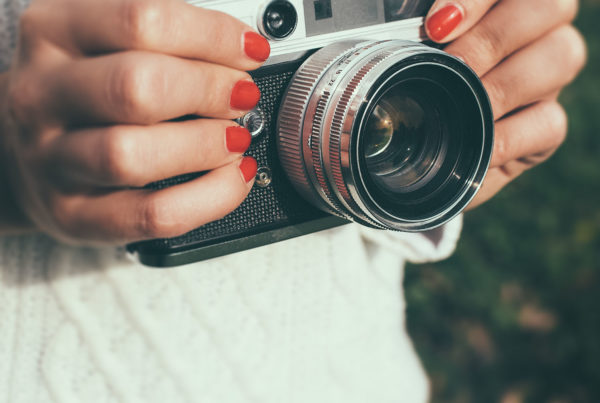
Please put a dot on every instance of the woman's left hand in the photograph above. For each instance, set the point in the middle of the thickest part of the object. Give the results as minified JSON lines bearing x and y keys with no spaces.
{"x":525,"y":53}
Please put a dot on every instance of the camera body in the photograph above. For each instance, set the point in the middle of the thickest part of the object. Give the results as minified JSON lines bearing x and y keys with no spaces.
{"x":342,"y":131}
{"x":318,"y":23}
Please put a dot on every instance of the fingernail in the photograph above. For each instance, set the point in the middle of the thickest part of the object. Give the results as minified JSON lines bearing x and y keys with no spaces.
{"x":238,"y":139}
{"x":248,"y":166}
{"x":256,"y":46}
{"x":443,"y":22}
{"x":245,"y":96}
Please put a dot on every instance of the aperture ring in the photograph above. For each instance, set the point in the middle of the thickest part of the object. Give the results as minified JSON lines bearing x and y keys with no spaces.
{"x":316,"y":146}
{"x":293,"y":147}
{"x":337,"y":132}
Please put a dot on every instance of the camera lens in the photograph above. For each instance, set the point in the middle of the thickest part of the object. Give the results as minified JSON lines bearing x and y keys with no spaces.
{"x":393,"y":135}
{"x":279,"y":19}
{"x":435,"y":122}
{"x":401,"y":145}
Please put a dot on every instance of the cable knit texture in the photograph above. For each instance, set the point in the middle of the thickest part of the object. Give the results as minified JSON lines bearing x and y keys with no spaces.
{"x":314,"y":319}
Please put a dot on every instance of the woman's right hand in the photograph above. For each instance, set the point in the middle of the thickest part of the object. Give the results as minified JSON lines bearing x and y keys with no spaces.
{"x":87,"y":113}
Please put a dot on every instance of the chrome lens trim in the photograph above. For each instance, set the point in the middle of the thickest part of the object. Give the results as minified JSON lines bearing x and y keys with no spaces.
{"x":320,"y":114}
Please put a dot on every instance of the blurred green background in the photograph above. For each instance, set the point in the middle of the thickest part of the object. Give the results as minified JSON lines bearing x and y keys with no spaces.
{"x":514,"y":315}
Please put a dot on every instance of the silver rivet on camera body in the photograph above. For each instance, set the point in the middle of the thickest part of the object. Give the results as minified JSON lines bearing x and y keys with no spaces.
{"x":254,"y":121}
{"x":264,"y":177}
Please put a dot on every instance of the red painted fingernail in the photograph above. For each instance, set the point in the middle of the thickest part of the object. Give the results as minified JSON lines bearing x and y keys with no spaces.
{"x":248,"y":166}
{"x":256,"y":46}
{"x":245,"y":95}
{"x":237,"y":139}
{"x":440,"y":24}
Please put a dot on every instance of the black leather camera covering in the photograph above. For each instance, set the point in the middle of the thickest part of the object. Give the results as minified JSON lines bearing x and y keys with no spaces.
{"x":265,"y":209}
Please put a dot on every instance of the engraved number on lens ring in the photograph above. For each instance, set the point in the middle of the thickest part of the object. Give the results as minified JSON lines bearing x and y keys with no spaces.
{"x":264,"y":177}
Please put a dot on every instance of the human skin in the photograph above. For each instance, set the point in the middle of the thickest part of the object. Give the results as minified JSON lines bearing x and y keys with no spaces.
{"x":85,"y":107}
{"x":526,"y":52}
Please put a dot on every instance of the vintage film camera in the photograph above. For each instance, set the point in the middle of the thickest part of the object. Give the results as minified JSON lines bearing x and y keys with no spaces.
{"x":358,"y":121}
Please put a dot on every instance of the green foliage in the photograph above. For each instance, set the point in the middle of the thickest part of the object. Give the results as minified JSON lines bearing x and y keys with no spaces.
{"x":514,"y":315}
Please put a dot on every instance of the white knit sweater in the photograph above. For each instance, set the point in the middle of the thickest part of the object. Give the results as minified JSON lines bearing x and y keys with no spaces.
{"x":314,"y":319}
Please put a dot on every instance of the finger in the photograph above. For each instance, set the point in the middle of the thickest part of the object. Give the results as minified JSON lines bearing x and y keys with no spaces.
{"x":134,"y":215}
{"x":498,"y":178}
{"x":137,"y":155}
{"x":166,"y":26}
{"x":535,"y":71}
{"x":552,"y":96}
{"x":523,"y":141}
{"x":489,"y":42}
{"x":533,"y":131}
{"x":145,"y":88}
{"x":448,"y":19}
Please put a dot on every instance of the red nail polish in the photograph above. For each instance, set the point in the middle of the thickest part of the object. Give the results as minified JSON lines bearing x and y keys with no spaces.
{"x":256,"y":46}
{"x":440,"y":24}
{"x":248,"y":166}
{"x":237,"y":139}
{"x":245,"y":96}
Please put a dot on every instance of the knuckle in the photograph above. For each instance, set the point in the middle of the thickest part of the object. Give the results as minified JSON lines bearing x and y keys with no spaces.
{"x":211,"y":99}
{"x":156,"y":219}
{"x":62,"y":210}
{"x":132,"y":85}
{"x":501,"y":149}
{"x":498,"y":94}
{"x":222,"y":27}
{"x":566,"y":8}
{"x":574,"y":49}
{"x":141,"y":22}
{"x":58,"y":212}
{"x":22,"y":98}
{"x":488,"y":43}
{"x":556,"y":118}
{"x":29,"y":22}
{"x":118,"y":157}
{"x":480,"y":48}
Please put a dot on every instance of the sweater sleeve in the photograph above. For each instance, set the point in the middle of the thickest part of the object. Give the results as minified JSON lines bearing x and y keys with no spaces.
{"x":430,"y":246}
{"x":10,"y":11}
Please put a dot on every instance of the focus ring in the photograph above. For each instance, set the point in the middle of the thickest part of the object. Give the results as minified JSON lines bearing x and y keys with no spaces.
{"x":290,"y":139}
{"x":336,"y":133}
{"x":315,"y":145}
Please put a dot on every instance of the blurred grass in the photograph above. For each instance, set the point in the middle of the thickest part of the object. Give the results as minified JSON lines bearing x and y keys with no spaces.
{"x":514,"y":315}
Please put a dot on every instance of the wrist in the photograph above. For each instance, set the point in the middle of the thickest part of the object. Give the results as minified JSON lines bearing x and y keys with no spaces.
{"x":12,"y":219}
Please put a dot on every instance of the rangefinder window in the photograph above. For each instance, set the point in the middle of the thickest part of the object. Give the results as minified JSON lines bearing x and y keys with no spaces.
{"x":323,"y":10}
{"x":328,"y":16}
{"x":396,"y":10}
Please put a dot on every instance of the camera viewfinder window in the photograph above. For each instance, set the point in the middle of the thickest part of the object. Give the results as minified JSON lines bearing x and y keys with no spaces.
{"x":396,"y":10}
{"x":323,"y":10}
{"x":327,"y":16}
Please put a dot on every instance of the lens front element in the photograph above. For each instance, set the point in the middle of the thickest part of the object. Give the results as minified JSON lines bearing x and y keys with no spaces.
{"x":380,"y":131}
{"x":401,"y":146}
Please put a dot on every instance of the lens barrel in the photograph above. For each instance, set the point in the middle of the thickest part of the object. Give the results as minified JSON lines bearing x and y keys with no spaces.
{"x":393,"y":134}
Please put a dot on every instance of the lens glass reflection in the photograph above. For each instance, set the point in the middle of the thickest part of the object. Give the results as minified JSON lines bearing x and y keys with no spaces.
{"x":419,"y":142}
{"x":403,"y":139}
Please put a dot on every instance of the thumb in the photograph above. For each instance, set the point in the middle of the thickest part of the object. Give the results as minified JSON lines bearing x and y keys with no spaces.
{"x":448,"y":19}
